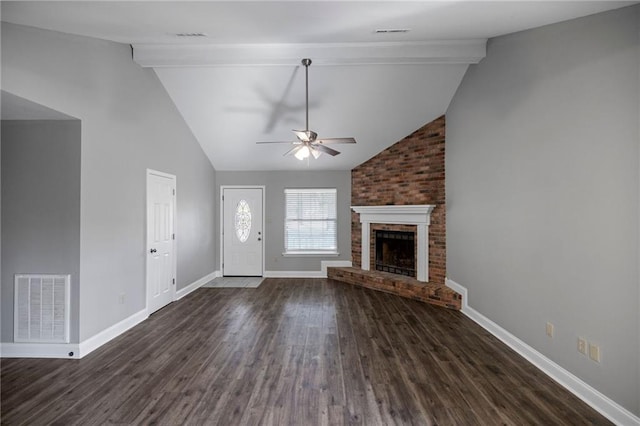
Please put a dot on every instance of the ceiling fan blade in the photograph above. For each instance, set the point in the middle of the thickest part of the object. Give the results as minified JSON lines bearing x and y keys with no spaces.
{"x":326,"y":149}
{"x":315,"y":152}
{"x":327,"y":141}
{"x":293,"y":150}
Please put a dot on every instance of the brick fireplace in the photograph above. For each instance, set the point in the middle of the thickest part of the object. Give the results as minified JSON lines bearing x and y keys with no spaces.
{"x":416,"y":215}
{"x":407,"y":174}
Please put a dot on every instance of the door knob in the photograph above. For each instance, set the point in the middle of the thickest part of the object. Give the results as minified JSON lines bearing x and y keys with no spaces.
{"x":153,"y":250}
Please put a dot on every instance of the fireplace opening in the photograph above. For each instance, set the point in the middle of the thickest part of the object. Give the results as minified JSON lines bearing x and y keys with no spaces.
{"x":395,"y":252}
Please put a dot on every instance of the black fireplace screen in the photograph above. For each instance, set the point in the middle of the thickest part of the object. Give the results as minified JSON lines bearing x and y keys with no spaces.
{"x":395,"y":252}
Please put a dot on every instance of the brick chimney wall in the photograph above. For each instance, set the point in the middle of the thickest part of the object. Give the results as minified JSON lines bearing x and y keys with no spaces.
{"x":410,"y":171}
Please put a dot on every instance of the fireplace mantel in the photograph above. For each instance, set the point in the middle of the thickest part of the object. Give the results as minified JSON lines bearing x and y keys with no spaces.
{"x":419,"y":215}
{"x":409,"y":215}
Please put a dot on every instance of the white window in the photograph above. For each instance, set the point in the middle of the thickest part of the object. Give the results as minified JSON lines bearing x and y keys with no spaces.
{"x":310,"y":224}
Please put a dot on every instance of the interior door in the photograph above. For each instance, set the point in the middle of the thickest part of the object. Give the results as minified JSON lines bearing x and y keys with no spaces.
{"x":161,"y":206}
{"x":242,"y":228}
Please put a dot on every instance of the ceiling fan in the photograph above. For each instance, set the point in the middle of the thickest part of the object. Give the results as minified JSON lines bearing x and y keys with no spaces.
{"x":308,"y":143}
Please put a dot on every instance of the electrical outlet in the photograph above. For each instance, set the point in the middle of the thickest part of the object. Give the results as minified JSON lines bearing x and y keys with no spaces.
{"x":121,"y":299}
{"x":582,"y":346}
{"x":549,"y":329}
{"x":594,"y":352}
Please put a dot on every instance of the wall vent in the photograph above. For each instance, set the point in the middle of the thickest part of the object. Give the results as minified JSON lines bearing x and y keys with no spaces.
{"x":41,"y":308}
{"x":191,"y":35}
{"x":391,"y":30}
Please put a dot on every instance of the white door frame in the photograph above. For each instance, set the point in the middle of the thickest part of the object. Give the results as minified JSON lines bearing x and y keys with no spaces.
{"x":146,"y":237}
{"x":264,"y":234}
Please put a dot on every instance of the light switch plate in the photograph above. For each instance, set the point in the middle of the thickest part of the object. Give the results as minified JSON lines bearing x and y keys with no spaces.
{"x":549,"y":329}
{"x":582,"y":346}
{"x":594,"y":352}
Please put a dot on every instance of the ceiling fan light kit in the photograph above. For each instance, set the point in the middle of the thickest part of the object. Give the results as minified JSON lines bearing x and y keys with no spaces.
{"x":302,"y":153}
{"x":308,"y":143}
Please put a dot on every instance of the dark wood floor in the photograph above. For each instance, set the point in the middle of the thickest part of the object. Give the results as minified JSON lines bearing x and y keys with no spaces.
{"x":292,"y":352}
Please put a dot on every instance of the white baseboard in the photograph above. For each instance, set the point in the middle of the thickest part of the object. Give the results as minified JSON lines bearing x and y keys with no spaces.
{"x":196,"y":284}
{"x":39,"y":350}
{"x":292,"y":274}
{"x":460,"y":290}
{"x":71,"y":350}
{"x":76,"y":351}
{"x":324,"y":264}
{"x":94,"y":342}
{"x":599,"y":402}
{"x":322,"y":273}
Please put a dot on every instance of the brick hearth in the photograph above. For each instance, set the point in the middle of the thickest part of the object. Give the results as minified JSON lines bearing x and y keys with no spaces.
{"x":435,"y":294}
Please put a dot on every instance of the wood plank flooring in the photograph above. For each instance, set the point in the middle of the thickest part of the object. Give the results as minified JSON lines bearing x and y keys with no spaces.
{"x":292,"y":352}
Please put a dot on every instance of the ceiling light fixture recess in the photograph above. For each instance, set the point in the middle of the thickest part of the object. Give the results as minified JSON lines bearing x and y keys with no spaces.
{"x":308,"y":143}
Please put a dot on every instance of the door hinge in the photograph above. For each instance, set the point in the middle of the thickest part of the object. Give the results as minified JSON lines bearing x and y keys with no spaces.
{"x":173,"y":281}
{"x":174,"y":192}
{"x":173,"y":236}
{"x":223,"y":198}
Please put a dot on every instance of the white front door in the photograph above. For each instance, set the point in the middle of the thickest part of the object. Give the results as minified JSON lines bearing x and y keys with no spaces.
{"x":242,"y":229}
{"x":161,"y":206}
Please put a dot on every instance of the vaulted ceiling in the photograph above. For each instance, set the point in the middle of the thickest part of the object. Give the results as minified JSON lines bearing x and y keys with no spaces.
{"x":234,"y":71}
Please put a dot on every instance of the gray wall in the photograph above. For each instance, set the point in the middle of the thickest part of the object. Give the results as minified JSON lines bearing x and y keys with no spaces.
{"x":41,"y":207}
{"x":275,"y":183}
{"x":542,"y":193}
{"x":129,"y":124}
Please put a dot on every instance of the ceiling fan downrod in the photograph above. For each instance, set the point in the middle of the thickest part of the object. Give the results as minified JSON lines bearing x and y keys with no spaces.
{"x":306,"y":62}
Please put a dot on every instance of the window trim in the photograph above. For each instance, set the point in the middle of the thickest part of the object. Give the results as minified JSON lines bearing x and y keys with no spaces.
{"x":310,"y":253}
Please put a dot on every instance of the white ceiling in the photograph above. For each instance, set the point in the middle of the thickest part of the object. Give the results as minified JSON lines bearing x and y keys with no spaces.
{"x":242,"y":82}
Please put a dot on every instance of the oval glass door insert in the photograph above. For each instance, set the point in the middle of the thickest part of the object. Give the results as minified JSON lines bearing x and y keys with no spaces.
{"x":243,"y":221}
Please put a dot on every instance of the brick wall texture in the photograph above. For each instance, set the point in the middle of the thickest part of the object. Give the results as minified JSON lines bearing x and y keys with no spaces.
{"x":409,"y":172}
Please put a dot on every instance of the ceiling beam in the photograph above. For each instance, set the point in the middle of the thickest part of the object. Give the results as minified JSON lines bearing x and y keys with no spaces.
{"x":195,"y":55}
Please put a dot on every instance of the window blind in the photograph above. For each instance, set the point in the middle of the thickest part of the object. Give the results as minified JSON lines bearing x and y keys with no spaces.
{"x":310,"y":220}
